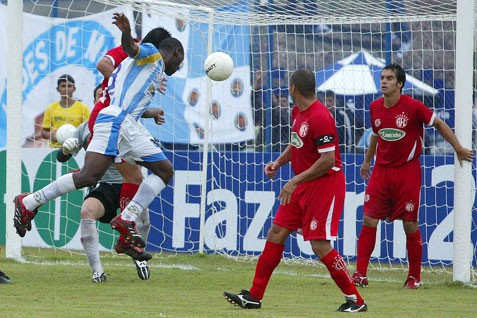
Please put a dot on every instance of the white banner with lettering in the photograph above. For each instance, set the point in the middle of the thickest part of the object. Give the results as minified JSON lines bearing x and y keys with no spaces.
{"x":53,"y":47}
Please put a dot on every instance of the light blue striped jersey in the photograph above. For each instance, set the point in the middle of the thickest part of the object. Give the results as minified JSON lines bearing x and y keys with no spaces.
{"x":135,"y":81}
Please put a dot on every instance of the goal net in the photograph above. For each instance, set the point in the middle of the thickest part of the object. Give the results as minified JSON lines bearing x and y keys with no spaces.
{"x":219,"y":135}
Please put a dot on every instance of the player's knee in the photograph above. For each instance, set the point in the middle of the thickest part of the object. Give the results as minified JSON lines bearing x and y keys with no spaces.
{"x":321,"y":247}
{"x":277,"y":234}
{"x":87,"y":213}
{"x":135,"y":179}
{"x":84,"y":179}
{"x":166,"y":173}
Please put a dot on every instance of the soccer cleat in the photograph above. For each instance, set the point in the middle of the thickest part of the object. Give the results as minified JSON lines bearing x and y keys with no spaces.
{"x":142,"y":270}
{"x":128,"y":230}
{"x":4,"y":279}
{"x":412,"y":283}
{"x":359,"y":279}
{"x":352,"y":306}
{"x":22,"y":217}
{"x":243,"y":300}
{"x":136,"y":253}
{"x":98,"y":278}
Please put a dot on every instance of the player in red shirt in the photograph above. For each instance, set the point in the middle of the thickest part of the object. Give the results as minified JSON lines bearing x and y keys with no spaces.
{"x":393,"y":191}
{"x":312,"y":200}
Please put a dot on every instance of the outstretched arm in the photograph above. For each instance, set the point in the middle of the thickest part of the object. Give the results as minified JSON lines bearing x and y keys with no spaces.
{"x":127,"y":41}
{"x":446,"y":132}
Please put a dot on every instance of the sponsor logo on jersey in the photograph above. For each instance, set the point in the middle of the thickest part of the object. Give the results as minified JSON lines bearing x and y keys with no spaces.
{"x":313,"y":224}
{"x":391,"y":134}
{"x":304,"y":129}
{"x":401,"y":120}
{"x":295,"y":140}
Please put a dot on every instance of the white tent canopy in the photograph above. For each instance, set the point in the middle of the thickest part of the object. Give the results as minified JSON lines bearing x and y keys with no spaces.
{"x":359,"y":74}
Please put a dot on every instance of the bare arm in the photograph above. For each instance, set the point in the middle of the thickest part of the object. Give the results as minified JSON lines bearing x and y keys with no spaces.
{"x":105,"y":66}
{"x":446,"y":132}
{"x":127,"y":41}
{"x":157,"y":113}
{"x":318,"y":169}
{"x":364,"y":170}
{"x":48,"y":134}
{"x":272,"y":167}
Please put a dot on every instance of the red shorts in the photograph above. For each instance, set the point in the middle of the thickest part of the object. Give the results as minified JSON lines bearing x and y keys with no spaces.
{"x":394,"y":192}
{"x":315,"y":207}
{"x":94,"y":114}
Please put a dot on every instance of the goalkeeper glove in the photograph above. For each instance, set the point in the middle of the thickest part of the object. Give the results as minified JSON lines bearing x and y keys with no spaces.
{"x":71,"y":146}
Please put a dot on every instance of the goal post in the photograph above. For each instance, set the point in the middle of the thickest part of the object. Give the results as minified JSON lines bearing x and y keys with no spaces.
{"x":464,"y":187}
{"x":14,"y":124}
{"x":219,"y":135}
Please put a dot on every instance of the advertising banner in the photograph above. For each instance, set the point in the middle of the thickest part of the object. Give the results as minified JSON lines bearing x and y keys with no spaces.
{"x":239,"y":209}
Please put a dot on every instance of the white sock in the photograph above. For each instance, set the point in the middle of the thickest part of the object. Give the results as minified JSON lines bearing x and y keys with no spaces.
{"x":90,"y":241}
{"x":148,"y":190}
{"x":143,"y":224}
{"x":60,"y":186}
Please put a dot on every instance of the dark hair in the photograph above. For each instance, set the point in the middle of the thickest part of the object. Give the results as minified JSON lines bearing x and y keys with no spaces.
{"x":171,"y":44}
{"x":156,"y":36}
{"x":329,"y":93}
{"x":65,"y":78}
{"x":304,"y":81}
{"x":399,"y":71}
{"x":95,"y":90}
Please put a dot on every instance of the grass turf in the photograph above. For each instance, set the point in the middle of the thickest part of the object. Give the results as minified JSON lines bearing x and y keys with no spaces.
{"x":55,"y":283}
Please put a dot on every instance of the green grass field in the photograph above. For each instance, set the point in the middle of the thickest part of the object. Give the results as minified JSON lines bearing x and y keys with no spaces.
{"x":56,"y":283}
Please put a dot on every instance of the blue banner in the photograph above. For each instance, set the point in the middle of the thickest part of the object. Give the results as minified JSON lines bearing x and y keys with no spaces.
{"x":241,"y":202}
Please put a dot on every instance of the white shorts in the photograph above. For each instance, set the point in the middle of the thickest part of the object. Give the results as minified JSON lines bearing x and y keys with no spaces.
{"x":117,"y":134}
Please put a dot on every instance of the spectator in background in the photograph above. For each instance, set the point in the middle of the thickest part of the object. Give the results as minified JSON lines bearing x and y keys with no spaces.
{"x":281,"y":122}
{"x":344,"y":119}
{"x":65,"y":111}
{"x":258,"y":101}
{"x":97,"y":92}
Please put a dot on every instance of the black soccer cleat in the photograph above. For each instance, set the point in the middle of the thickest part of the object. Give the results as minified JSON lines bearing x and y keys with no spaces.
{"x":136,"y":253}
{"x":243,"y":300}
{"x":351,"y":306}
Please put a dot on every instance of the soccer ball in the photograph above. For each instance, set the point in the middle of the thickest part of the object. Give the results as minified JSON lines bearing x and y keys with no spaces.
{"x":218,"y":66}
{"x":64,"y":132}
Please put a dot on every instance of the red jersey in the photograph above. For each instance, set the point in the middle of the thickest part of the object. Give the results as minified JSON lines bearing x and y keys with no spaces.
{"x":400,"y":129}
{"x":313,"y":132}
{"x":116,"y":55}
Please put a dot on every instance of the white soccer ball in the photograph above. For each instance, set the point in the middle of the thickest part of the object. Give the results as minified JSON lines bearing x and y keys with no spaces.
{"x":64,"y":132}
{"x":218,"y":66}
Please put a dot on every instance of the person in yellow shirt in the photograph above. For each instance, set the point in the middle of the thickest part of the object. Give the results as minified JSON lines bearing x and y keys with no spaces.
{"x":65,"y":111}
